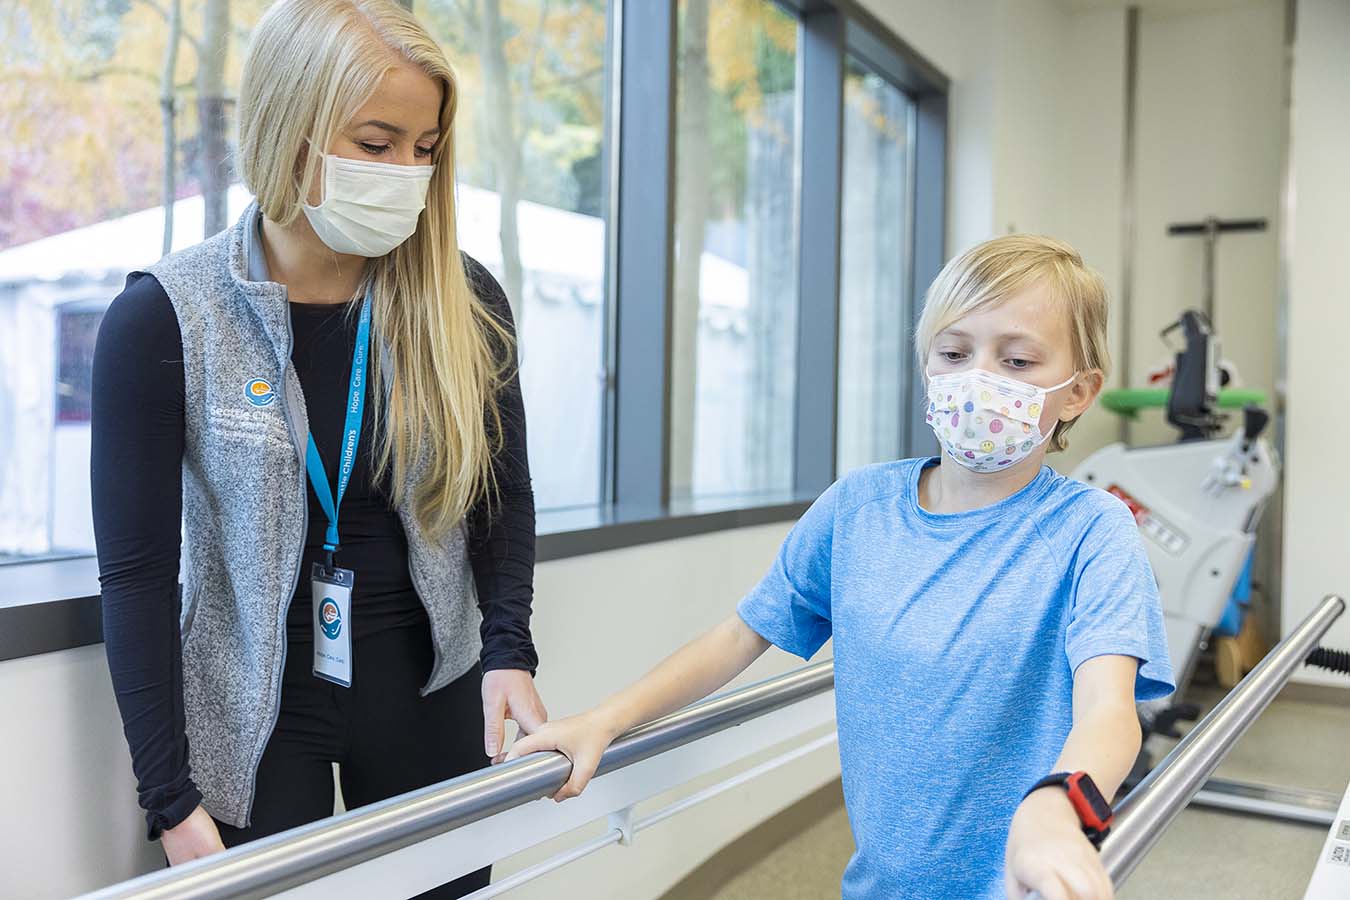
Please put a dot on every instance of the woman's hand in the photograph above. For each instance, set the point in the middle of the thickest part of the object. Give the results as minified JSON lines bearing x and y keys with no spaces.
{"x":194,"y":837}
{"x":582,"y":739}
{"x":509,"y":694}
{"x":1047,"y":852}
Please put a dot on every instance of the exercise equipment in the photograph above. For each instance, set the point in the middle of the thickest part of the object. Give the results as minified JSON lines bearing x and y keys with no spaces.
{"x":1197,"y":502}
{"x":1210,"y":228}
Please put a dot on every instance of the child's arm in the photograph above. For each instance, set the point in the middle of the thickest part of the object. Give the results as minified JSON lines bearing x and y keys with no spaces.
{"x":1047,"y":851}
{"x":695,"y":670}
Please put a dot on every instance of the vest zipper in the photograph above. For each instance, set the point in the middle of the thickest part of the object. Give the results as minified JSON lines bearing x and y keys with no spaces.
{"x":299,"y":558}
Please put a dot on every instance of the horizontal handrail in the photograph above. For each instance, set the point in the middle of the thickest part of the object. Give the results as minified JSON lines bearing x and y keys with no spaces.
{"x":635,"y":826}
{"x":1148,"y":810}
{"x":274,"y":864}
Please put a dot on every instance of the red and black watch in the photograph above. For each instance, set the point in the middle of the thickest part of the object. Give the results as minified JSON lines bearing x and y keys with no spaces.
{"x":1093,"y":810}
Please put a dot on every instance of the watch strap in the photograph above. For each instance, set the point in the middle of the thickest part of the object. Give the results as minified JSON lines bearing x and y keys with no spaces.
{"x":1093,"y":811}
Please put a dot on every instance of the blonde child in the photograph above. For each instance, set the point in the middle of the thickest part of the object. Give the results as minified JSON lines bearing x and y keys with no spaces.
{"x":993,"y":622}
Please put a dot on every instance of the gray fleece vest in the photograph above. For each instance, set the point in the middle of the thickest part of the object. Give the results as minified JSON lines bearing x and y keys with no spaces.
{"x":246,"y":514}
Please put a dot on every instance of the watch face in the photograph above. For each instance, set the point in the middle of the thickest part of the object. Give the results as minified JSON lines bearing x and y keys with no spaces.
{"x":1081,"y":783}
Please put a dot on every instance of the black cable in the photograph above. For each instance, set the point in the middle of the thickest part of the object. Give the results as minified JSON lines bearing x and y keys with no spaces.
{"x":1335,"y":660}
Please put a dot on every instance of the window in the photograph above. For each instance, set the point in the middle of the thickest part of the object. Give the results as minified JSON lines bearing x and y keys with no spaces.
{"x":88,"y":80}
{"x":875,"y":362}
{"x":77,"y":332}
{"x":660,"y":288}
{"x":733,"y":347}
{"x":531,"y":200}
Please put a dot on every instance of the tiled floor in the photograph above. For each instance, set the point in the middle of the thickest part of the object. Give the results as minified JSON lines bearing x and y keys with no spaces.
{"x":1205,"y":854}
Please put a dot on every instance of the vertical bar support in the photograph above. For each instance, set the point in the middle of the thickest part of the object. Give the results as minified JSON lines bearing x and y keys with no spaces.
{"x":643,"y":247}
{"x":821,"y":129}
{"x":930,"y":242}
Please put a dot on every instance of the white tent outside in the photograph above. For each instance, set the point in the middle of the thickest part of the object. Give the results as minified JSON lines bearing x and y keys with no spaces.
{"x":552,"y":240}
{"x":44,"y":492}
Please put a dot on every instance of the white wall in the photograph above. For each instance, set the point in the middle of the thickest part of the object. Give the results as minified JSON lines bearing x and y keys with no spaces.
{"x":1037,"y":116}
{"x":1317,"y":490}
{"x":1037,"y":144}
{"x":70,"y":822}
{"x":1058,"y":154}
{"x":1037,"y":130}
{"x":1210,"y":132}
{"x":1090,"y":150}
{"x":958,"y":38}
{"x":1029,"y":71}
{"x":1035,"y":124}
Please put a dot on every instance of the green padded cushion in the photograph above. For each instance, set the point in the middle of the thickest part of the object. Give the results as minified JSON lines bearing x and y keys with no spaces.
{"x":1128,"y":401}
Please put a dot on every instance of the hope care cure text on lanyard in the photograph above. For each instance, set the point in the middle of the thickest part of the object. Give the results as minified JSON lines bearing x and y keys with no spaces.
{"x":331,"y":587}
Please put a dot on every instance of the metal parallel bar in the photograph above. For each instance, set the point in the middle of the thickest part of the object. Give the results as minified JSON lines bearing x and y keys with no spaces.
{"x":286,"y":860}
{"x":1150,"y":808}
{"x":1291,"y":805}
{"x":615,"y":836}
{"x":277,"y":863}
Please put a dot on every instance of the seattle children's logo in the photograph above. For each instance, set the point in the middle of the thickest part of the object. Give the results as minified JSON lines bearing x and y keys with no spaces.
{"x":259,"y":392}
{"x":330,"y":618}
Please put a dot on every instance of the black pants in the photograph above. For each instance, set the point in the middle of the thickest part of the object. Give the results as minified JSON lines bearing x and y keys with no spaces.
{"x":385,"y":738}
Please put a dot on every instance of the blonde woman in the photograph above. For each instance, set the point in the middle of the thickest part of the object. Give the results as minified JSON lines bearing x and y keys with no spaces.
{"x":325,"y":395}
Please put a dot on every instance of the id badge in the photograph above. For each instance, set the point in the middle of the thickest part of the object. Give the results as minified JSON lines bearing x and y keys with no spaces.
{"x":332,"y":598}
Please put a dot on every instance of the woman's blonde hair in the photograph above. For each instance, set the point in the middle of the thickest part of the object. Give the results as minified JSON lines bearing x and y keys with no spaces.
{"x":311,"y":65}
{"x":991,"y":272}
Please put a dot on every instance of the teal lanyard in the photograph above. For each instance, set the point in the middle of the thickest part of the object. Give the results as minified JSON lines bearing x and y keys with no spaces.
{"x":351,"y":438}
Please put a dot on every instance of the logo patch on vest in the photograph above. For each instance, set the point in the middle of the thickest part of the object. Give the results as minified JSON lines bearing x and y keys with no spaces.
{"x":259,"y":392}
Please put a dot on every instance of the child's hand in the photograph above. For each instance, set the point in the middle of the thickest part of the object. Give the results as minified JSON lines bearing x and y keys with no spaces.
{"x":582,"y":739}
{"x":1047,"y":852}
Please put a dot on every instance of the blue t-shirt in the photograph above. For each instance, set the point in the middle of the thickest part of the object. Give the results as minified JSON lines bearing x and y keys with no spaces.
{"x":955,"y":642}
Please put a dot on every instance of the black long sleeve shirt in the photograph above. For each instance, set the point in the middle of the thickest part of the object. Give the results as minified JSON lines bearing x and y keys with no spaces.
{"x":136,"y":468}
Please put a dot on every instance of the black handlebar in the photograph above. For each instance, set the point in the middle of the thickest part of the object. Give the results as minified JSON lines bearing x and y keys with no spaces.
{"x":1221,"y":225}
{"x":1254,"y":421}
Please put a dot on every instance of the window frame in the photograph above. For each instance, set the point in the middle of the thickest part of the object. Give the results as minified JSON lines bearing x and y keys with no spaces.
{"x":906,"y":436}
{"x":639,"y":369}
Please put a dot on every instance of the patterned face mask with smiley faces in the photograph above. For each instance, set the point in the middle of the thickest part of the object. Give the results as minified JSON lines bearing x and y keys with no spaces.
{"x":985,"y":421}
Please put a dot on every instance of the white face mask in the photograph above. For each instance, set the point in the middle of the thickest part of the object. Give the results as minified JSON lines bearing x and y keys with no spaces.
{"x":985,"y":421}
{"x":368,"y":208}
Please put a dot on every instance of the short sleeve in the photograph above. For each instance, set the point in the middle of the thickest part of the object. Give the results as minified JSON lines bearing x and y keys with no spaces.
{"x":790,"y":607}
{"x":1116,"y":610}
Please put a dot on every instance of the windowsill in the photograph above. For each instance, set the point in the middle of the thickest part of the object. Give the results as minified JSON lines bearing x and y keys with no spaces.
{"x":53,"y":604}
{"x":595,"y":529}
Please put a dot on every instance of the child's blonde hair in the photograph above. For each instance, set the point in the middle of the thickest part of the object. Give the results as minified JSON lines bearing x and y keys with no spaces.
{"x":991,"y":272}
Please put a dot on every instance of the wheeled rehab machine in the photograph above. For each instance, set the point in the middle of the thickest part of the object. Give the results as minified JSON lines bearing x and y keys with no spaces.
{"x":1197,"y":502}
